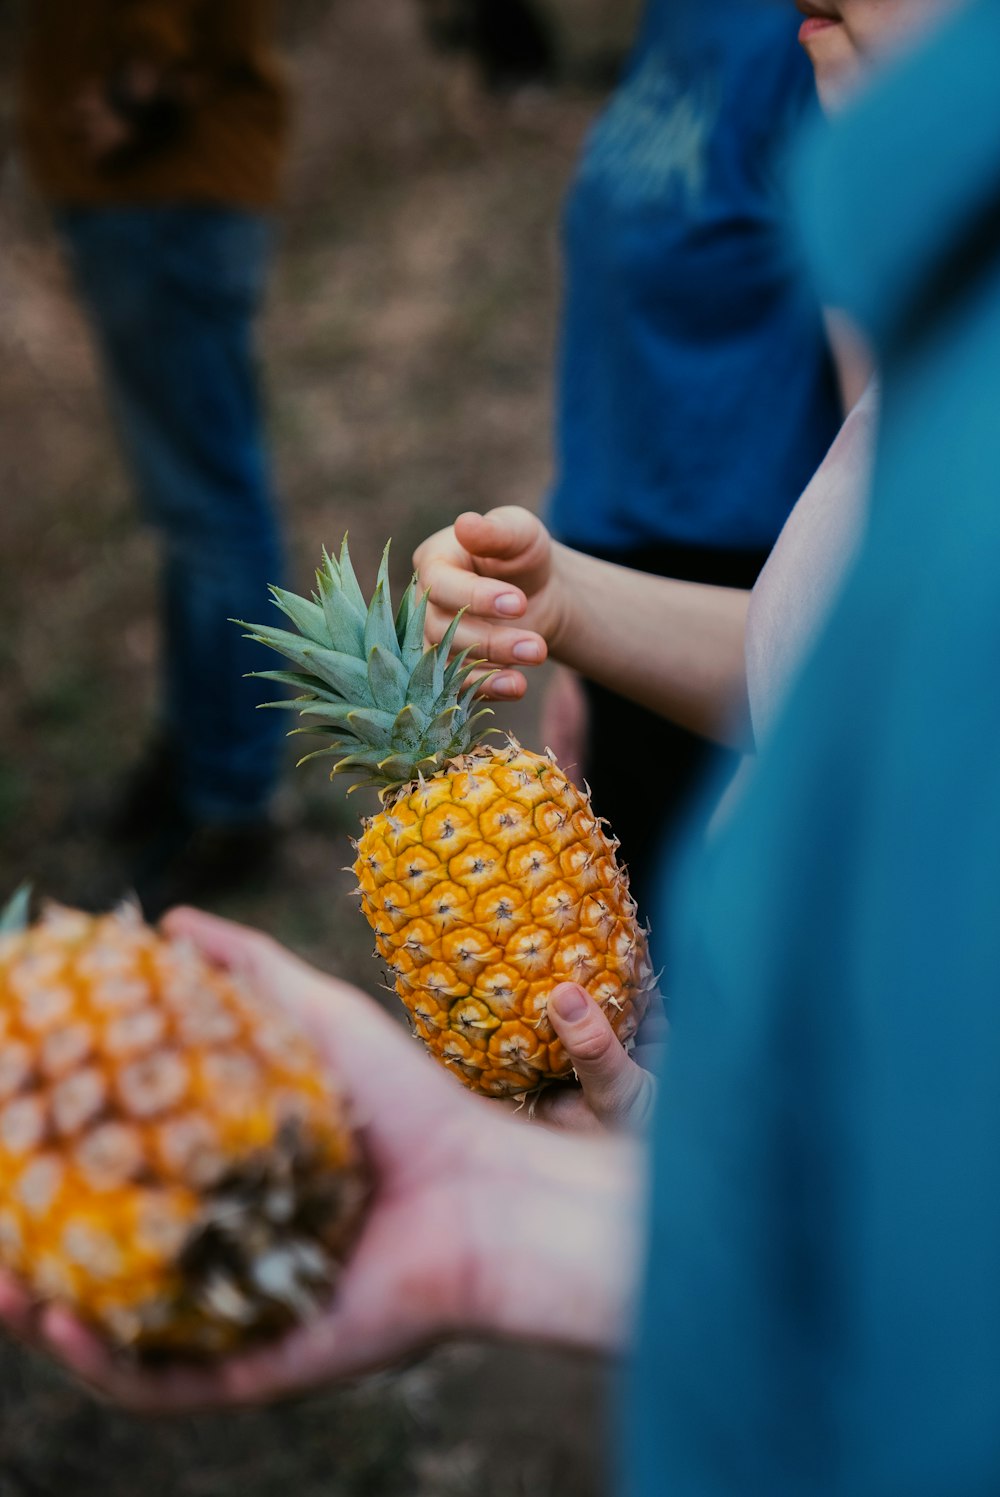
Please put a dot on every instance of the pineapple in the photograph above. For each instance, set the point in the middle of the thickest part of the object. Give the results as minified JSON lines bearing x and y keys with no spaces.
{"x":486,"y":876}
{"x":173,"y":1164}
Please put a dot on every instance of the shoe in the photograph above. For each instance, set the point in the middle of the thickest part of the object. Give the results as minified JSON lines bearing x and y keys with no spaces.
{"x":193,"y":862}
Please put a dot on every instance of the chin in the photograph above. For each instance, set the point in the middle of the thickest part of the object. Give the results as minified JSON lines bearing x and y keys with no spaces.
{"x":838,"y":87}
{"x":837,"y":67}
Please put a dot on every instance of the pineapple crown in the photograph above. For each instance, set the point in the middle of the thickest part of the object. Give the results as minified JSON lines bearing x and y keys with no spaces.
{"x":392,"y":710}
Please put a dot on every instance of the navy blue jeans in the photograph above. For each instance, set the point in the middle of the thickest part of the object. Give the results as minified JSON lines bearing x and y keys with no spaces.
{"x":172,"y":294}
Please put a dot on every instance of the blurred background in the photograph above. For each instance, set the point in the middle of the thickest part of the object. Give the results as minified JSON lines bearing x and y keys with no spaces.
{"x":407,"y":352}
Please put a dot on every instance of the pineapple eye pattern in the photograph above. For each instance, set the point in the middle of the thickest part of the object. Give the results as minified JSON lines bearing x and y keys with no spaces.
{"x":165,"y":1138}
{"x":505,"y":885}
{"x":78,"y":1100}
{"x":39,"y":1185}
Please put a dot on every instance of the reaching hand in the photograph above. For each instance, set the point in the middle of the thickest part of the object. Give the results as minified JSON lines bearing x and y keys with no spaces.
{"x":500,"y":567}
{"x":475,"y":1222}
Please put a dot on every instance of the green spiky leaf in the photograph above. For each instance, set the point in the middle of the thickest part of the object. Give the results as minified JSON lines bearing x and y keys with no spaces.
{"x":422,"y":678}
{"x":411,"y":640}
{"x":16,"y":913}
{"x":362,"y":676}
{"x":410,"y":725}
{"x":370,"y":726}
{"x":387,"y":677}
{"x":380,"y":626}
{"x":345,"y":625}
{"x":442,"y":652}
{"x":311,"y":684}
{"x":307,"y":617}
{"x":349,"y":584}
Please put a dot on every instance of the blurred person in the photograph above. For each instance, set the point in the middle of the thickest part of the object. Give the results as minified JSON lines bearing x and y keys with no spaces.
{"x":699,"y":403}
{"x":716,"y":660}
{"x":696,"y":393}
{"x":156,"y":131}
{"x":825,"y":1200}
{"x":822,"y":1287}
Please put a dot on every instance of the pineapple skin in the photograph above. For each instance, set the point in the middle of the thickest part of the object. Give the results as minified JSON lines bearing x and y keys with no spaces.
{"x":151,"y":1110}
{"x":487,"y":886}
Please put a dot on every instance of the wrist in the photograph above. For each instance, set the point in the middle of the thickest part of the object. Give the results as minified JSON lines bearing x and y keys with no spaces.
{"x":560,"y":626}
{"x":556,"y":1238}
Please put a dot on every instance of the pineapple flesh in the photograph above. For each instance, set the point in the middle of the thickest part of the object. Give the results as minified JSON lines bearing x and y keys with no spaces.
{"x":174,"y":1165}
{"x":486,"y":876}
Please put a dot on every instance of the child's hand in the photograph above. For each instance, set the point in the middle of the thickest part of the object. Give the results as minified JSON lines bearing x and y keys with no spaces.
{"x":501,"y":567}
{"x":617,"y":1089}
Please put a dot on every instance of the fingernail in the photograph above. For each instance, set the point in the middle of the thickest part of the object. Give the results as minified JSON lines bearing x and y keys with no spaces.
{"x":570,"y":1003}
{"x":527,"y":650}
{"x":504,"y":686}
{"x":508,"y":604}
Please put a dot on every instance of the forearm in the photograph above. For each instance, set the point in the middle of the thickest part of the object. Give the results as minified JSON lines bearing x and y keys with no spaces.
{"x":559,"y":1228}
{"x":852,"y":358}
{"x":676,"y":648}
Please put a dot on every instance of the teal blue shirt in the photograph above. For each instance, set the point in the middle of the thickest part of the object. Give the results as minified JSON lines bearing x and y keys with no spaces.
{"x":822,"y":1313}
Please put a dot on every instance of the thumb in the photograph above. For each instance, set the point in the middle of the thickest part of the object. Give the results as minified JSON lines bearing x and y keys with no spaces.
{"x":618,"y":1092}
{"x":508,"y":533}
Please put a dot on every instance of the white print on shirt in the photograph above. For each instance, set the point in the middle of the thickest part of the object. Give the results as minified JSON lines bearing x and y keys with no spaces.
{"x":652,"y":141}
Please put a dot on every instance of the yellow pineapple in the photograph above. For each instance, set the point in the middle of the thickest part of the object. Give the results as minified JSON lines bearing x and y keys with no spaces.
{"x":486,"y":876}
{"x":173,"y":1164}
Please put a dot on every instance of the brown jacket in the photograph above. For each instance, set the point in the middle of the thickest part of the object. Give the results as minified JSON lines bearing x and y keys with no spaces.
{"x":229,"y":144}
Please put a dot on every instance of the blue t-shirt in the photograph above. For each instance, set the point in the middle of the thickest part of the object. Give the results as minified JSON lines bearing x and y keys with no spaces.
{"x":696,"y":394}
{"x":822,"y":1315}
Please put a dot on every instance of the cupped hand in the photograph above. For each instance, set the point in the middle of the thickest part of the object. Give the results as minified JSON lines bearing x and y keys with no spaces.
{"x":500,"y":568}
{"x":408,"y":1278}
{"x":475,"y":1222}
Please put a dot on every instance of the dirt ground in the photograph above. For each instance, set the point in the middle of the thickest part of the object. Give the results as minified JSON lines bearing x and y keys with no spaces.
{"x":408,"y":350}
